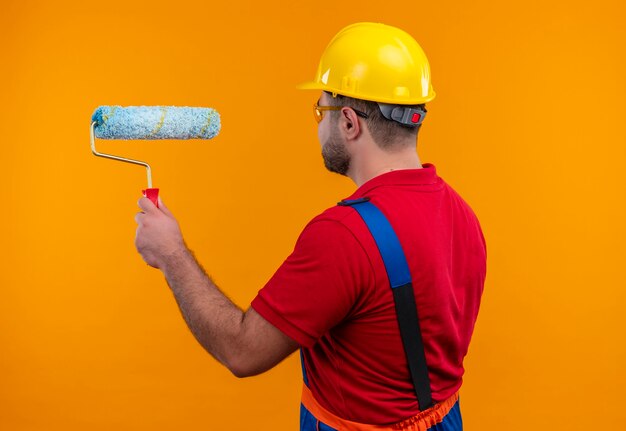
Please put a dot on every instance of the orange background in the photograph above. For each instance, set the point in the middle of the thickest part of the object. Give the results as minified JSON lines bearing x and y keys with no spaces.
{"x":528,"y":125}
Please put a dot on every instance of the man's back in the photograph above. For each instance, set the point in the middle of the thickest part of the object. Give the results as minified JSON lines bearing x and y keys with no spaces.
{"x":333,"y":297}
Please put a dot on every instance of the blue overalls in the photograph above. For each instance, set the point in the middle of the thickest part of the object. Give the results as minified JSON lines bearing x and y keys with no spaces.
{"x":444,"y":416}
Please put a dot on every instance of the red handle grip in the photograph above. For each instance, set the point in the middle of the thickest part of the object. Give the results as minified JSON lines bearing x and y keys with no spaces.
{"x":153,"y":195}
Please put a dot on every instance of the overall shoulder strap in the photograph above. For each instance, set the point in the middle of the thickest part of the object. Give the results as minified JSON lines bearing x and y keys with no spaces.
{"x":400,"y":280}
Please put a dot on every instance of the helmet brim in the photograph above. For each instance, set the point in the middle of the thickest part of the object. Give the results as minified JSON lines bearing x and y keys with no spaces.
{"x":312,"y":85}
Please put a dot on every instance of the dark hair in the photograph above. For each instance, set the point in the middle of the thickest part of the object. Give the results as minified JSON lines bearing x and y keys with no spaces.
{"x":386,"y":133}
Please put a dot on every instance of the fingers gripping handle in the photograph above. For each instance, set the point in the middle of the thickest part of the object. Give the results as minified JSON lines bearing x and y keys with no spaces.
{"x":153,"y":195}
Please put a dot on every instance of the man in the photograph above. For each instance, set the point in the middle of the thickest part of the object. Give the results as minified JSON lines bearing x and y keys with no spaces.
{"x":381,"y":292}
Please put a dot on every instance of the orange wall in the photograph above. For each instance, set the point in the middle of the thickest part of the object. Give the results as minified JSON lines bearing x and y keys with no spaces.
{"x":528,"y":125}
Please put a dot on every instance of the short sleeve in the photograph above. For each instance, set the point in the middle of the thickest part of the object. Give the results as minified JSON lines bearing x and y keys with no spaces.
{"x":319,"y":284}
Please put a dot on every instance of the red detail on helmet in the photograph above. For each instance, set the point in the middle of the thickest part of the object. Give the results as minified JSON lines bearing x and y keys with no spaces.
{"x":416,"y":118}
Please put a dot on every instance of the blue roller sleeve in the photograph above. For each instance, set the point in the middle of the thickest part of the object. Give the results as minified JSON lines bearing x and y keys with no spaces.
{"x":155,"y":122}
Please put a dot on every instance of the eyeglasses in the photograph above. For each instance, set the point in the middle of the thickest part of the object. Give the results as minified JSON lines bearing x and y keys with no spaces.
{"x":318,"y":111}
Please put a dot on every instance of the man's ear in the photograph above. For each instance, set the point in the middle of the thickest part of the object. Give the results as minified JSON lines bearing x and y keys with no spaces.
{"x":349,"y":123}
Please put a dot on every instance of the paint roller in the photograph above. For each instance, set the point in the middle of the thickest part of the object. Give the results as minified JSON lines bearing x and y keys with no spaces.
{"x":151,"y":122}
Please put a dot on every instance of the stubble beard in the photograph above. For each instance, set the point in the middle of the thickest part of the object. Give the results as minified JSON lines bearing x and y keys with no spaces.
{"x":335,"y":155}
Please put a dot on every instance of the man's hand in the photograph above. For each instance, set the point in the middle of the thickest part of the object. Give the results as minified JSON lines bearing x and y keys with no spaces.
{"x":158,"y":234}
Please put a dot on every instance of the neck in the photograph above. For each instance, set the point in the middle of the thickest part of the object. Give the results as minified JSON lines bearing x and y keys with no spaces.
{"x":375,"y":161}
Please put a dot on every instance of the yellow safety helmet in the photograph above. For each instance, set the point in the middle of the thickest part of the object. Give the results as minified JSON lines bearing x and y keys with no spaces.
{"x":375,"y":62}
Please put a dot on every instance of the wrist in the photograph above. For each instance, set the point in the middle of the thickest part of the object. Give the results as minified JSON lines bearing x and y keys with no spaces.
{"x":175,"y":258}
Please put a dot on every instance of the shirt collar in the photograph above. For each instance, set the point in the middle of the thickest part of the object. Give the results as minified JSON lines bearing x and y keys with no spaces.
{"x":410,"y":177}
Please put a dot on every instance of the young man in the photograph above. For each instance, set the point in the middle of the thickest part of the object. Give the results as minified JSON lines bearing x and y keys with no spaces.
{"x":381,"y":292}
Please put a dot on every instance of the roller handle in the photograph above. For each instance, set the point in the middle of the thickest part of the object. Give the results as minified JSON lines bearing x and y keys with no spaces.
{"x":153,"y":195}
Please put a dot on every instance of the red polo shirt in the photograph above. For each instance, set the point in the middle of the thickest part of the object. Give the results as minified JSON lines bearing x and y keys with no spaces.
{"x":332,"y":296}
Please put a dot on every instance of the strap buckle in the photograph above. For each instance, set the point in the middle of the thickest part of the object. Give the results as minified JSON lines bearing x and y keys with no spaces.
{"x":350,"y":202}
